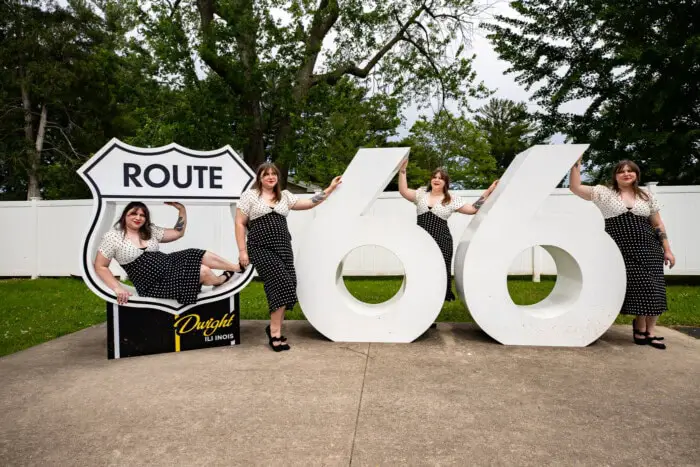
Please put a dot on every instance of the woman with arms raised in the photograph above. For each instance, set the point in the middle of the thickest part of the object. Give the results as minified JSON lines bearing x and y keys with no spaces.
{"x":434,"y":205}
{"x":134,"y":243}
{"x":632,"y":219}
{"x":263,"y":211}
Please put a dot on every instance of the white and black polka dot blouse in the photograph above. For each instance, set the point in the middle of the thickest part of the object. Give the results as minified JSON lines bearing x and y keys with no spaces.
{"x":254,"y":206}
{"x":441,"y":210}
{"x":116,"y":245}
{"x":611,"y":205}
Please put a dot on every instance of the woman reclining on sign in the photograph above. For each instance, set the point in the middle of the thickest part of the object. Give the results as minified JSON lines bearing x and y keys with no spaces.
{"x":133,"y":243}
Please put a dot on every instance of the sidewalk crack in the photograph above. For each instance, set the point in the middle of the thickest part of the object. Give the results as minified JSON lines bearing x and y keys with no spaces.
{"x":359,"y":406}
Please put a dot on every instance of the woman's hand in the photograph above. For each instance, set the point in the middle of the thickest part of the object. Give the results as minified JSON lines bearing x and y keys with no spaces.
{"x":335,"y":182}
{"x":122,"y":295}
{"x":176,"y":205}
{"x":243,"y":259}
{"x":669,"y":259}
{"x":403,"y":166}
{"x":493,"y":186}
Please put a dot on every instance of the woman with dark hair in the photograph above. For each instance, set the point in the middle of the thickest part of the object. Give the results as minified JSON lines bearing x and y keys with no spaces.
{"x":263,"y":211}
{"x":632,"y":219}
{"x":434,"y":205}
{"x":133,"y":243}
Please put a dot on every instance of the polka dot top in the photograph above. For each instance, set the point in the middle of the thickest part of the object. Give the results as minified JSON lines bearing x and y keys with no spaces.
{"x":254,"y":206}
{"x":611,"y":205}
{"x":116,"y":245}
{"x":440,"y":210}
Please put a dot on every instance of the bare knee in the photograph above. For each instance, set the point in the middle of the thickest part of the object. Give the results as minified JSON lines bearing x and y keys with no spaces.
{"x":204,"y":271}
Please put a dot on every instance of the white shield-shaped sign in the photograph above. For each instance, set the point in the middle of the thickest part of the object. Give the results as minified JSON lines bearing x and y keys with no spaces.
{"x":119,"y":173}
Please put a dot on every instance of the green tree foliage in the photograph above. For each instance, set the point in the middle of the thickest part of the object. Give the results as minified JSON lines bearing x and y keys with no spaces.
{"x":636,"y":61}
{"x":337,"y":120}
{"x":69,"y":84}
{"x":453,"y":143}
{"x":509,"y":128}
{"x":274,"y":54}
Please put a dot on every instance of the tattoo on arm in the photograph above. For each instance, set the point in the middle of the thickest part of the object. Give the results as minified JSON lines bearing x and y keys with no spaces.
{"x":180,"y":224}
{"x":661,"y":234}
{"x":318,"y":197}
{"x":479,"y":202}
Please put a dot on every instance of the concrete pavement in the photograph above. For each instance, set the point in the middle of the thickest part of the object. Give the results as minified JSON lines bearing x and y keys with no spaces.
{"x":453,"y":397}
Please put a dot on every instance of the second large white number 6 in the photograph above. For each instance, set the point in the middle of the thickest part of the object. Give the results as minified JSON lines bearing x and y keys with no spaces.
{"x":591,"y":278}
{"x":341,"y":227}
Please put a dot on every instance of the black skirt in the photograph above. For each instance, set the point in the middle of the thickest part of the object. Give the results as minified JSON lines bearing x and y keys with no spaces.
{"x":270,"y":251}
{"x":644,"y":262}
{"x":438,"y":229}
{"x":172,"y":276}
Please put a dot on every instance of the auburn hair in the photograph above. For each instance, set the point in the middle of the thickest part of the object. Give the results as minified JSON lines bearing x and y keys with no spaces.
{"x":260,"y":173}
{"x":446,"y":187}
{"x":145,"y":230}
{"x":635,"y":168}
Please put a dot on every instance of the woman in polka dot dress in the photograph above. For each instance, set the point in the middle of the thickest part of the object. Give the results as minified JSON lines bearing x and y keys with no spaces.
{"x":262,"y":211}
{"x":632,"y":219}
{"x":434,"y":205}
{"x":133,"y":243}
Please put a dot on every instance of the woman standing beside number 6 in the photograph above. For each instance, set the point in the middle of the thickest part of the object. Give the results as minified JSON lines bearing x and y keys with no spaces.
{"x":632,"y":219}
{"x":434,"y":205}
{"x":263,"y":211}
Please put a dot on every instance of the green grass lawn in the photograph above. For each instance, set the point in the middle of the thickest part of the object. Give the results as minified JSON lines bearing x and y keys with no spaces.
{"x":35,"y":311}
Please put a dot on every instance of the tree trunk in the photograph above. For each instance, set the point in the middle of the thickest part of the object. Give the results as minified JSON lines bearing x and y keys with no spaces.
{"x":33,"y":156}
{"x":254,"y":151}
{"x":34,"y":188}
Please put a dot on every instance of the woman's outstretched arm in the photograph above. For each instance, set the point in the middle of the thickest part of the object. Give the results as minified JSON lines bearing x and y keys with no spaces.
{"x":403,"y":184}
{"x":178,"y":230}
{"x":575,"y":184}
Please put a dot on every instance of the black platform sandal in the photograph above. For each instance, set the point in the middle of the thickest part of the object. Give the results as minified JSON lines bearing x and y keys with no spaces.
{"x":656,"y":345}
{"x":276,"y":348}
{"x":637,"y":340}
{"x":282,"y":339}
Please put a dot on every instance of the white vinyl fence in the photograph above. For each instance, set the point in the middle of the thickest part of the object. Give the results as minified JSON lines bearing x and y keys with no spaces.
{"x":44,"y":238}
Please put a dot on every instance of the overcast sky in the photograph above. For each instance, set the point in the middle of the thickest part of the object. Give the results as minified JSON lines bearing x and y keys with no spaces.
{"x":491,"y":70}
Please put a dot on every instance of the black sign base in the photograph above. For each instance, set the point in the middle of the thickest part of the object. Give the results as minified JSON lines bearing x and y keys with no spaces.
{"x":133,"y":332}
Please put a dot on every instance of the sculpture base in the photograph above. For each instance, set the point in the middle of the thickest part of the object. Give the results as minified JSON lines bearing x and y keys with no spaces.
{"x":133,"y":332}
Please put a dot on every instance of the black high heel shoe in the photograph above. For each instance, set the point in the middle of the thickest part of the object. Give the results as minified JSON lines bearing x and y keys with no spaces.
{"x":656,"y":345}
{"x":283,"y":340}
{"x":637,"y":340}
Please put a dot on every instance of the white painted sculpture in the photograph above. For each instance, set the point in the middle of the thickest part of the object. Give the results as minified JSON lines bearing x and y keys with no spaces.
{"x":120,"y":173}
{"x":340,"y":227}
{"x":591,"y":280}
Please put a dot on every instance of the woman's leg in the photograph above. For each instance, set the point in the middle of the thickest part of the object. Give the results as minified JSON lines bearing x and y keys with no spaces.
{"x":214,"y":261}
{"x":640,"y":323}
{"x":276,"y":318}
{"x":639,"y":327}
{"x":651,"y":329}
{"x":207,"y":276}
{"x":650,"y":323}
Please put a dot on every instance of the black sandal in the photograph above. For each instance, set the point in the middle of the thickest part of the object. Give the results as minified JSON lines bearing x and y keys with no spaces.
{"x":282,"y":339}
{"x":656,"y":345}
{"x":228,"y":275}
{"x":638,"y":341}
{"x":276,"y":348}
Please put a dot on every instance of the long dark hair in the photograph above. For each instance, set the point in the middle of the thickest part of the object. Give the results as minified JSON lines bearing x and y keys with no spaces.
{"x":635,"y":168}
{"x":260,"y":173}
{"x":445,"y":188}
{"x":145,"y":230}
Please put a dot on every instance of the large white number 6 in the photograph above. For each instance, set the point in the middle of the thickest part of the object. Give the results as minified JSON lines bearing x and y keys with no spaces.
{"x":591,"y":279}
{"x":339,"y":228}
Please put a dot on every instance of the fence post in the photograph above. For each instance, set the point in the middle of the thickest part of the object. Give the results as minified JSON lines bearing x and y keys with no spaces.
{"x":536,"y":263}
{"x":35,"y":216}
